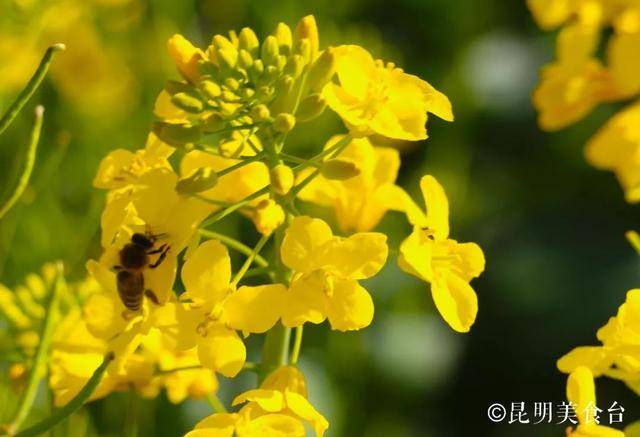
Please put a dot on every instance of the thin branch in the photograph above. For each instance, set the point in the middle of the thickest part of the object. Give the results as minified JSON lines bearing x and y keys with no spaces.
{"x":30,"y":88}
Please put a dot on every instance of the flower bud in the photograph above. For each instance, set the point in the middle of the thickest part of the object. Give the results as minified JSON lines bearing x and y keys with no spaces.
{"x":260,"y":113}
{"x":213,"y":123}
{"x":282,"y":179}
{"x":228,"y":57}
{"x":283,"y":35}
{"x":245,"y":60}
{"x":284,"y":123}
{"x":210,"y":89}
{"x":177,"y":134}
{"x":231,"y":83}
{"x":186,"y":56}
{"x":339,"y":169}
{"x":187,"y":102}
{"x":256,"y":70}
{"x":303,"y":48}
{"x":270,"y":51}
{"x":248,"y":40}
{"x":311,"y":107}
{"x":295,"y":65}
{"x":308,"y":29}
{"x":267,"y":216}
{"x":322,"y":70}
{"x":200,"y":180}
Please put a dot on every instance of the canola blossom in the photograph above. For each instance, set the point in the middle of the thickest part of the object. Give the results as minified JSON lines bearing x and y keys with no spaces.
{"x":165,"y":308}
{"x":580,"y":79}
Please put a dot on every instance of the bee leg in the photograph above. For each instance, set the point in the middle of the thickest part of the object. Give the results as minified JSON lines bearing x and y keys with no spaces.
{"x":161,"y":258}
{"x":152,"y":296}
{"x":158,"y":250}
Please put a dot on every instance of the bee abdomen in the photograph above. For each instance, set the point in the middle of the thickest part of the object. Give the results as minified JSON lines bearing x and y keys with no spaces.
{"x":131,"y":289}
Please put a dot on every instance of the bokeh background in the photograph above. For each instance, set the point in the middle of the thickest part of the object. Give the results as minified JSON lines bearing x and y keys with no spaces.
{"x":551,"y":226}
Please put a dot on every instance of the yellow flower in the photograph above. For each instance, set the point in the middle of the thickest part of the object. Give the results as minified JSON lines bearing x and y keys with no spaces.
{"x":429,"y":254}
{"x":241,"y":425}
{"x":121,"y":168}
{"x":278,"y":408}
{"x":581,"y":392}
{"x":372,"y":97}
{"x":327,"y":269}
{"x":577,"y":82}
{"x":217,"y":310}
{"x":616,"y":147}
{"x":359,"y":202}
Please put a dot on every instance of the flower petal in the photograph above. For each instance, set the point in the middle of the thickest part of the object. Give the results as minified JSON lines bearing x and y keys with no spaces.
{"x":301,"y":407}
{"x":302,"y":241}
{"x":437,"y":206}
{"x":306,"y":301}
{"x":254,"y":309}
{"x":581,"y":390}
{"x":456,"y":301}
{"x":269,"y":400}
{"x":350,"y":307}
{"x":207,"y":272}
{"x":360,"y":256}
{"x":222,"y":350}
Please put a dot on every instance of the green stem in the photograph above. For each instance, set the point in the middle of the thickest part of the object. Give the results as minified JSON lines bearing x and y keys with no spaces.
{"x":131,"y":416}
{"x":247,"y":263}
{"x":225,"y":212}
{"x":234,"y":244}
{"x":40,"y":360}
{"x":73,"y":405}
{"x":30,"y":88}
{"x":216,"y":403}
{"x":276,"y":344}
{"x":297,"y":344}
{"x":29,"y":161}
{"x":333,"y":151}
{"x":258,"y":271}
{"x":234,"y":128}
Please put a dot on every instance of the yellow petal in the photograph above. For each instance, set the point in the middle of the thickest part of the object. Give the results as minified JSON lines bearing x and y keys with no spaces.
{"x":301,"y":407}
{"x":415,"y":255}
{"x":269,"y":400}
{"x":456,"y":301}
{"x":306,"y":300}
{"x":470,"y":262}
{"x":207,"y":272}
{"x":286,"y":378}
{"x":254,"y":309}
{"x":222,"y":350}
{"x":437,"y":206}
{"x":592,"y":357}
{"x":581,"y":390}
{"x":271,"y":425}
{"x":354,"y":67}
{"x":303,"y":239}
{"x":350,"y":307}
{"x":360,"y":256}
{"x":186,"y":56}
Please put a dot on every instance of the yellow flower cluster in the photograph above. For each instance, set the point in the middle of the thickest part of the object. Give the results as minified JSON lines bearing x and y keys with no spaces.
{"x":578,"y":81}
{"x":169,"y":304}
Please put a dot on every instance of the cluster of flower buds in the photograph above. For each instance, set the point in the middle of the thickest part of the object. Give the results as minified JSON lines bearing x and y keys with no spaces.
{"x":240,"y":84}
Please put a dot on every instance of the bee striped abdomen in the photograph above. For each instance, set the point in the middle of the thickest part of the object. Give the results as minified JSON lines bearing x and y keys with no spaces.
{"x":131,"y":289}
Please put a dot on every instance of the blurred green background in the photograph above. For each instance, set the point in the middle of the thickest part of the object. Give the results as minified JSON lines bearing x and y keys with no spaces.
{"x":558,"y":265}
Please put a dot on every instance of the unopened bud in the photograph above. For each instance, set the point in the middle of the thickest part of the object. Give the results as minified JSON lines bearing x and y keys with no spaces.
{"x":177,"y":134}
{"x":339,"y":169}
{"x":284,"y":123}
{"x":228,"y":57}
{"x":308,"y":29}
{"x":231,"y":83}
{"x":200,"y":180}
{"x":322,"y":70}
{"x":210,"y":89}
{"x":248,"y":40}
{"x":270,"y":51}
{"x":245,"y":60}
{"x":283,"y":35}
{"x":174,"y":87}
{"x":282,"y":179}
{"x":295,"y":65}
{"x":311,"y":107}
{"x":260,"y":113}
{"x":303,"y":48}
{"x":187,"y":102}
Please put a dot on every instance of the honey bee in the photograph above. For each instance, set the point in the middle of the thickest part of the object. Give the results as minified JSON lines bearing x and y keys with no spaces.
{"x":134,"y":258}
